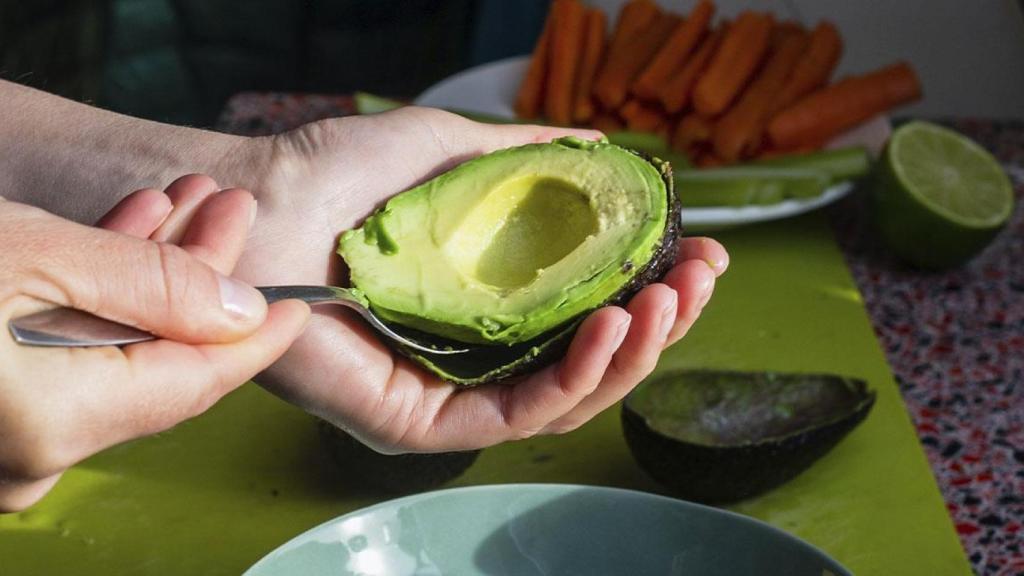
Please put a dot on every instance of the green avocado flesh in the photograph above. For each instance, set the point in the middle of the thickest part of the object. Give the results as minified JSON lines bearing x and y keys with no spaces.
{"x":511,"y":245}
{"x":717,"y":437}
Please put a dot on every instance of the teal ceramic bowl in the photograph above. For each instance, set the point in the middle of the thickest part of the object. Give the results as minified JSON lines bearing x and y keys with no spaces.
{"x":544,"y":530}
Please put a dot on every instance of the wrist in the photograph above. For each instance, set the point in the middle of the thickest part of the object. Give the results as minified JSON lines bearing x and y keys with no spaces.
{"x":76,"y":160}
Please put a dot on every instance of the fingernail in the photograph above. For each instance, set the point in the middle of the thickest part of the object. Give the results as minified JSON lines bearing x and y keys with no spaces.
{"x":620,"y":332}
{"x":717,"y":266}
{"x":668,"y":318}
{"x":167,"y":213}
{"x":240,"y":299}
{"x":252,"y":212}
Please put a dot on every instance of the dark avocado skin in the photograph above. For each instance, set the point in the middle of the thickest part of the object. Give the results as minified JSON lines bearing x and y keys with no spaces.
{"x":727,"y":474}
{"x":392,"y":474}
{"x":486,"y":364}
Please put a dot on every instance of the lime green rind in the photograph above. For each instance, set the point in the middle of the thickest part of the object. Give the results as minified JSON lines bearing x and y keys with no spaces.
{"x":950,"y":175}
{"x":936,"y":230}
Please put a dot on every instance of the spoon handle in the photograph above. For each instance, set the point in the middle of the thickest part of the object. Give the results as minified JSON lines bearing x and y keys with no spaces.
{"x":70,"y":328}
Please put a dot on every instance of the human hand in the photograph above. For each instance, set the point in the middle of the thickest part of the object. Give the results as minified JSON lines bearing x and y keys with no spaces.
{"x":60,"y":405}
{"x":326,"y":177}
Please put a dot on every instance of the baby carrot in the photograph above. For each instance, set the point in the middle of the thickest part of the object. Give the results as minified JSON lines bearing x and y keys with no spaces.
{"x":836,"y":108}
{"x":709,"y":160}
{"x":736,"y":60}
{"x":642,"y":117}
{"x":531,"y":91}
{"x":671,"y":57}
{"x":692,"y":131}
{"x":606,"y":123}
{"x":813,"y":69}
{"x":738,"y":132}
{"x":788,"y":27}
{"x":634,"y":17}
{"x":593,"y":49}
{"x":564,"y":59}
{"x":623,"y":65}
{"x":675,"y":94}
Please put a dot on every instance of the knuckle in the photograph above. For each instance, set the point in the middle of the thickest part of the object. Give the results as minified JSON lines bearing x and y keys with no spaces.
{"x":11,"y":504}
{"x":525,"y":433}
{"x":176,"y":281}
{"x":202,"y":401}
{"x":563,"y":427}
{"x":635,"y":368}
{"x":199,"y":397}
{"x":307,"y":140}
{"x":433,"y":114}
{"x":19,"y":436}
{"x":31,"y":451}
{"x":13,"y":497}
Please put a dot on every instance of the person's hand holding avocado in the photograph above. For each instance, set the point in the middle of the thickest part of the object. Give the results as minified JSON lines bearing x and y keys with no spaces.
{"x":328,"y":176}
{"x":313,"y":184}
{"x":60,"y":405}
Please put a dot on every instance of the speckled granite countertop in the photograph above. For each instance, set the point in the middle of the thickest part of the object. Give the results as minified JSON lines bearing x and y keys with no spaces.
{"x":955,"y":340}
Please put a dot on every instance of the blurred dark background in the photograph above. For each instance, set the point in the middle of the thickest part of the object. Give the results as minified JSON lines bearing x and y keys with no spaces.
{"x":180,"y":60}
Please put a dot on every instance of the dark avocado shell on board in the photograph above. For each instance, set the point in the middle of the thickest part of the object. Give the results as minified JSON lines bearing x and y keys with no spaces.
{"x":490,"y":363}
{"x":392,"y":474}
{"x":718,"y":437}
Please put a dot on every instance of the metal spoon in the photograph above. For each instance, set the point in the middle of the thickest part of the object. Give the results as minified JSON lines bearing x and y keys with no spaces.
{"x":70,"y":328}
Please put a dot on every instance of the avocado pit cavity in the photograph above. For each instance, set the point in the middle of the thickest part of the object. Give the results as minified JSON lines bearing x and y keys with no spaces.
{"x":520,"y":228}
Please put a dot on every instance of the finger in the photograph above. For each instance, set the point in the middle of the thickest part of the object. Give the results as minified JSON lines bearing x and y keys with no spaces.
{"x":187,"y":194}
{"x":157,"y":287}
{"x":460,"y":138}
{"x":653,"y":310}
{"x":17,"y":495}
{"x":694,"y":281}
{"x":171,"y":382}
{"x":139,"y":214}
{"x":706,"y":249}
{"x":507,"y":135}
{"x":218,"y":229}
{"x":492,"y":414}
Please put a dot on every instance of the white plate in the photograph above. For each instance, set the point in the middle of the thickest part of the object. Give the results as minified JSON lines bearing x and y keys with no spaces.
{"x":491,"y":89}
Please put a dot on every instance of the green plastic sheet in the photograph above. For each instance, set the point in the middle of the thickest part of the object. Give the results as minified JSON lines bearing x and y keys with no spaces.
{"x":215,"y":494}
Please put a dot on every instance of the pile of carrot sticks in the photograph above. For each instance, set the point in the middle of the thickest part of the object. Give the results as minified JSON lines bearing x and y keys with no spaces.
{"x":722,"y":92}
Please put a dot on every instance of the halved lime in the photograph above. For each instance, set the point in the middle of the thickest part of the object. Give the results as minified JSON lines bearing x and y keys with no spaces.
{"x":940,"y":197}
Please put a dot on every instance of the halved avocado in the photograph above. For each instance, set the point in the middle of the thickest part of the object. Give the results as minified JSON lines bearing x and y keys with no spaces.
{"x":719,"y":436}
{"x":509,"y":251}
{"x":651,"y":145}
{"x":393,"y":474}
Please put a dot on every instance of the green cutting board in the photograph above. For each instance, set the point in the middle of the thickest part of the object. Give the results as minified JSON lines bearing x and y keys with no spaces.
{"x":215,"y":494}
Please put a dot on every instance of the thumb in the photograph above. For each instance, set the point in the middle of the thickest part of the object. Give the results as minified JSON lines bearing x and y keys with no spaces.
{"x":157,"y":287}
{"x":462,"y":138}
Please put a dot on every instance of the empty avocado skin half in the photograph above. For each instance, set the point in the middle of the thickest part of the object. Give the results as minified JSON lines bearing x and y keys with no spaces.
{"x":508,"y":252}
{"x":718,"y":437}
{"x":392,"y":474}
